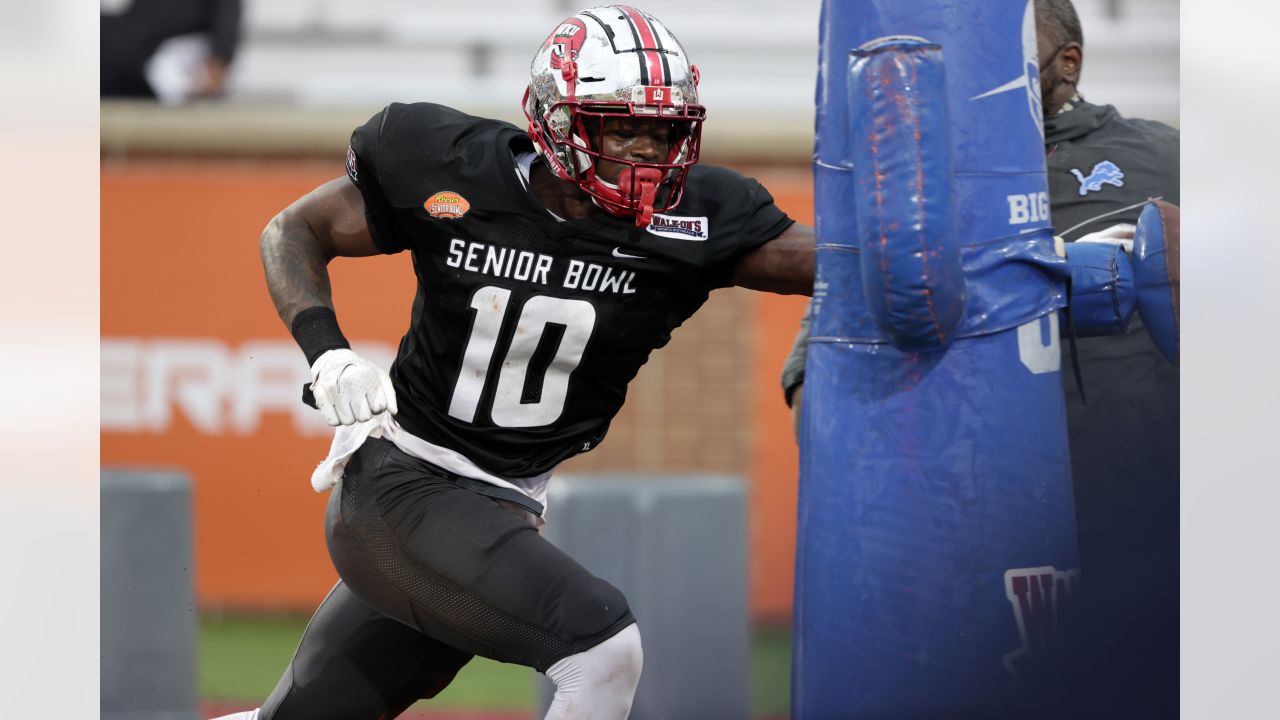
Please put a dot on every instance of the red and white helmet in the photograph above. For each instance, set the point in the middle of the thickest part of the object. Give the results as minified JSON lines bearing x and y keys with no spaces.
{"x":610,"y":62}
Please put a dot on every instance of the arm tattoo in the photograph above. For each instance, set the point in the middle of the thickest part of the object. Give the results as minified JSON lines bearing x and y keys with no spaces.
{"x":295,"y":260}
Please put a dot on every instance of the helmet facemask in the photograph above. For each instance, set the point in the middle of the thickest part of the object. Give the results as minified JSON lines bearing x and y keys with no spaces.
{"x":642,"y":187}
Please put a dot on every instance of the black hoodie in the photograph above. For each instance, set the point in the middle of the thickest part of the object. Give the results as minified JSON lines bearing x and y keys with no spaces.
{"x":1124,"y":443}
{"x":1078,"y":144}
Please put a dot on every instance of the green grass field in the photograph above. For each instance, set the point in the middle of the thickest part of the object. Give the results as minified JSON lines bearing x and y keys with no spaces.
{"x":241,"y":657}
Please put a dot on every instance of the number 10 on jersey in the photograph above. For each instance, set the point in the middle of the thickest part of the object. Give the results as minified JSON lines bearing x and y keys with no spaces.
{"x":578,"y":317}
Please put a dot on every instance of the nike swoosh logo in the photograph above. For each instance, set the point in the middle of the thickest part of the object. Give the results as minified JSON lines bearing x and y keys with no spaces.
{"x":617,"y":252}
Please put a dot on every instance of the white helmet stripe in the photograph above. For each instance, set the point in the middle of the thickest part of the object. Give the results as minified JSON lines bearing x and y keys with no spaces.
{"x":657,"y":37}
{"x":646,"y":38}
{"x":635,"y":46}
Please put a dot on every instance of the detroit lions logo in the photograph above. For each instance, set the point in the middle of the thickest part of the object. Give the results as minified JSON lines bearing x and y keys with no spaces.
{"x":1104,"y":173}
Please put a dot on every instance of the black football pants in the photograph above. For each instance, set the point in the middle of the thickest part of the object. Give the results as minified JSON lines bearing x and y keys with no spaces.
{"x":433,"y":573}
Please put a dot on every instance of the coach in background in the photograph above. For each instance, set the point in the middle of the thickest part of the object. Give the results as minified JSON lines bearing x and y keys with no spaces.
{"x":1102,"y":167}
{"x":134,"y":30}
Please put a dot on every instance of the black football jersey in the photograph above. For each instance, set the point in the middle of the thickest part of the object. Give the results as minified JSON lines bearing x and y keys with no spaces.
{"x":526,"y":329}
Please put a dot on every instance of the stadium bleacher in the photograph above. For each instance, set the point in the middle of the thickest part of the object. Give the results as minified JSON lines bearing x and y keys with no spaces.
{"x":341,"y":60}
{"x":321,"y":52}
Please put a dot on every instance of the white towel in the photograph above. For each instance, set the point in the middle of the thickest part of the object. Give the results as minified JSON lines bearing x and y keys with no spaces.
{"x":346,"y":440}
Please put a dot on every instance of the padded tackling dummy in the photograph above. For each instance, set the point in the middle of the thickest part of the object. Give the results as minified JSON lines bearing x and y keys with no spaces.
{"x":936,"y":540}
{"x":1108,"y":284}
{"x":1157,"y":251}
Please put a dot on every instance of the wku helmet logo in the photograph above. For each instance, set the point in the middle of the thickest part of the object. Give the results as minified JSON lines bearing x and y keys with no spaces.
{"x":566,"y":41}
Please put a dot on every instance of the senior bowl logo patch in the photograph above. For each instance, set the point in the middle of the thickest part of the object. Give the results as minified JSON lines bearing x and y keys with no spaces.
{"x":447,"y":205}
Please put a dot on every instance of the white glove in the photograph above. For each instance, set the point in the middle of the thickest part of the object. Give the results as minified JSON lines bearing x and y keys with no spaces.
{"x":350,"y":389}
{"x":1121,"y":234}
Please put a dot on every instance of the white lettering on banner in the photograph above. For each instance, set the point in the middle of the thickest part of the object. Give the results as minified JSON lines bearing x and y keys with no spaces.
{"x":219,"y":390}
{"x":191,"y":374}
{"x":119,"y":384}
{"x":1031,"y":207}
{"x":269,"y":378}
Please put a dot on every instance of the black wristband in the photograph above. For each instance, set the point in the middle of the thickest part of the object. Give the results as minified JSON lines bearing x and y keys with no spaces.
{"x":316,"y":331}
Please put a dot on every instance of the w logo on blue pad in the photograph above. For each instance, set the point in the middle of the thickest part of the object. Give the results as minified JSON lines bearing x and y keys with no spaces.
{"x":1104,"y":172}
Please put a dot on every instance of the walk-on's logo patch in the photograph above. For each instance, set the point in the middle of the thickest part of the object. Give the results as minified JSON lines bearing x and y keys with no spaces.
{"x":1104,"y":172}
{"x":679,"y":228}
{"x":447,"y":204}
{"x":1042,"y":603}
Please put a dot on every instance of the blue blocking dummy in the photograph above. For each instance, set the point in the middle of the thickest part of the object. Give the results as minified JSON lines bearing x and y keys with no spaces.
{"x":1157,"y":248}
{"x":936,"y":552}
{"x":1108,"y":284}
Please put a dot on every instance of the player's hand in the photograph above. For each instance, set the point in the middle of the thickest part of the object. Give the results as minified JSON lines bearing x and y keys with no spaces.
{"x":349,"y":389}
{"x":1120,"y":234}
{"x":212,"y":80}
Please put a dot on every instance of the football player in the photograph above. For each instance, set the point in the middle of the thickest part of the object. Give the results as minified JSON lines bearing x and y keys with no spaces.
{"x":551,"y":261}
